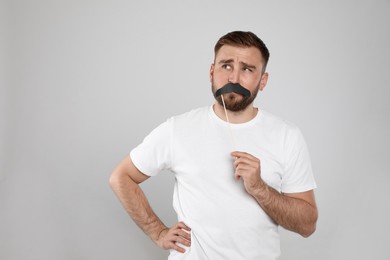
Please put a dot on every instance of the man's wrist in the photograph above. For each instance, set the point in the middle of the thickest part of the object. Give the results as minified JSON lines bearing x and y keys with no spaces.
{"x":261,"y":193}
{"x":157,"y":238}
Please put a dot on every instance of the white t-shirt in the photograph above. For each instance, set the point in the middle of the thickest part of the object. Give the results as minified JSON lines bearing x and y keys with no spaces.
{"x":226,"y":222}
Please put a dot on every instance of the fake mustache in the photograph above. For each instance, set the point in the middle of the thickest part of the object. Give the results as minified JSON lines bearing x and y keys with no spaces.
{"x":236,"y":88}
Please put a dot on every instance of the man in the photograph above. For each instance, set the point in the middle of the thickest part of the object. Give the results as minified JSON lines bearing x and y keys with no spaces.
{"x":240,"y":172}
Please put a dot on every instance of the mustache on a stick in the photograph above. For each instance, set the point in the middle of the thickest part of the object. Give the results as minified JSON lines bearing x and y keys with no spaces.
{"x":233,"y":87}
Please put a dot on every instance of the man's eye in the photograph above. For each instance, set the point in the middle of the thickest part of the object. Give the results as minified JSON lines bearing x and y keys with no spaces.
{"x":226,"y":66}
{"x":247,"y":69}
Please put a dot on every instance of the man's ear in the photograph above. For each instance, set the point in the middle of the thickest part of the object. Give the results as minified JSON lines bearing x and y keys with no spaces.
{"x":263,"y":81}
{"x":211,"y":72}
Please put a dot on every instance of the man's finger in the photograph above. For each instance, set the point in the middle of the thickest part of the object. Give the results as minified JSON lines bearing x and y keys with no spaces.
{"x":178,"y":248}
{"x":184,"y":234}
{"x":183,"y":226}
{"x":182,"y":241}
{"x":242,"y":155}
{"x":239,"y":154}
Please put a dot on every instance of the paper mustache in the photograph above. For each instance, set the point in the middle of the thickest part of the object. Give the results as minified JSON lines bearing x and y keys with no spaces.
{"x":236,"y":88}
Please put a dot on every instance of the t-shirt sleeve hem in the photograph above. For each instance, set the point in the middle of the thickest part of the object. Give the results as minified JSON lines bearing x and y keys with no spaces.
{"x":138,"y":165}
{"x":298,"y":189}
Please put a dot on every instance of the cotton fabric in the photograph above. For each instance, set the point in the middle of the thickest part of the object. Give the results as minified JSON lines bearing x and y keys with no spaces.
{"x":226,"y":222}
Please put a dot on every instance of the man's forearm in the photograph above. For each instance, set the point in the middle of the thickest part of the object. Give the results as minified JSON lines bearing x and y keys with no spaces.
{"x":137,"y":206}
{"x":291,"y":213}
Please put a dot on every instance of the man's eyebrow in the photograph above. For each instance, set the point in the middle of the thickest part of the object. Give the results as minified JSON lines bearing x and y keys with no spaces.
{"x":225,"y":61}
{"x":243,"y":64}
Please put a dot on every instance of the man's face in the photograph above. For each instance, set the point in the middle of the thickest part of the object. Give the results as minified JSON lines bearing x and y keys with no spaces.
{"x":241,"y":65}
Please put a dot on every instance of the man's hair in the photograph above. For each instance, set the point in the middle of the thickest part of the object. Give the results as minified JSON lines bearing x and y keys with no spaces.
{"x":243,"y":39}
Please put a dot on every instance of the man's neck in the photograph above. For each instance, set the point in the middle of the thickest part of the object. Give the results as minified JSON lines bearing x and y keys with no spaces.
{"x":236,"y":117}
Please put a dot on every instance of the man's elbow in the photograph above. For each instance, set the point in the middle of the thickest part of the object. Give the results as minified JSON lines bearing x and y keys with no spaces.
{"x":115,"y":180}
{"x":308,"y":231}
{"x":310,"y":228}
{"x":120,"y":180}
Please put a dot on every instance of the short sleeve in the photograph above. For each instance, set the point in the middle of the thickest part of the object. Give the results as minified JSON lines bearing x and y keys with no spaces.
{"x":298,"y":174}
{"x":153,"y":155}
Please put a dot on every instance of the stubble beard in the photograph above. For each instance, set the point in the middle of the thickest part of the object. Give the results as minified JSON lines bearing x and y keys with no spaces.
{"x":236,"y":102}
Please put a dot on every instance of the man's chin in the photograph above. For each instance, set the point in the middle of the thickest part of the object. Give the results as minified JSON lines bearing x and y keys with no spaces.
{"x":237,"y":106}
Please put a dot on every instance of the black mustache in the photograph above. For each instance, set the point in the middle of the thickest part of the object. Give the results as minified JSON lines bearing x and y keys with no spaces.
{"x":236,"y":88}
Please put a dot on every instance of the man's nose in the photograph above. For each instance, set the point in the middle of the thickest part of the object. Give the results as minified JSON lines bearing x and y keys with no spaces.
{"x":234,"y":76}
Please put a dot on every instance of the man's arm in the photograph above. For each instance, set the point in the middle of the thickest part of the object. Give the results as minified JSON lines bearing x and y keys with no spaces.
{"x":296,"y":212}
{"x":124,"y":181}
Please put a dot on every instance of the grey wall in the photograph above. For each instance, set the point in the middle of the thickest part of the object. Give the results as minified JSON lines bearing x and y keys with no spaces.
{"x":82,"y":82}
{"x":3,"y":73}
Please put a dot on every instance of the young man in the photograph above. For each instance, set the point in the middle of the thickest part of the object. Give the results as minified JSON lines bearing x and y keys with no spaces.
{"x":240,"y":172}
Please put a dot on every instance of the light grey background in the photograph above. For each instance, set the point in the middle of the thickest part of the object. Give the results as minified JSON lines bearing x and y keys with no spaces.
{"x":82,"y":82}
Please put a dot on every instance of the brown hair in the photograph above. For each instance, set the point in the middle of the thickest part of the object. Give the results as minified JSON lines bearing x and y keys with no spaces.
{"x":243,"y":39}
